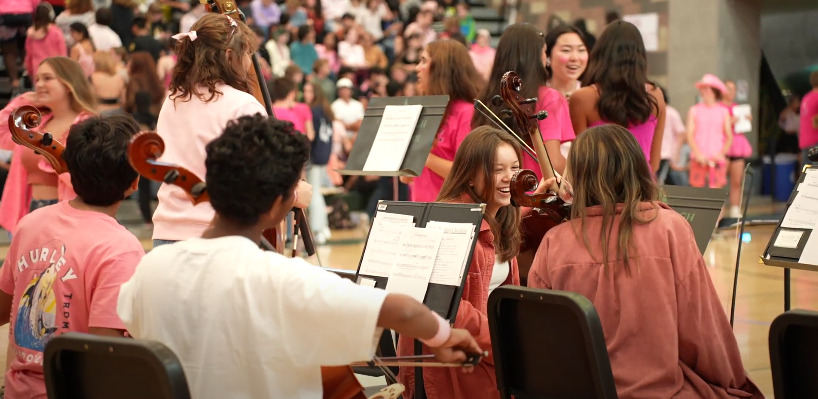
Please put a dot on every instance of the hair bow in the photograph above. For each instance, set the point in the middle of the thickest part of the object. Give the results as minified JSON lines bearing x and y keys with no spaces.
{"x":190,"y":35}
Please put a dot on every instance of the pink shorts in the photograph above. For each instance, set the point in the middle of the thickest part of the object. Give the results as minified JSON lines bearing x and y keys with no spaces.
{"x":740,"y":148}
{"x":708,"y":176}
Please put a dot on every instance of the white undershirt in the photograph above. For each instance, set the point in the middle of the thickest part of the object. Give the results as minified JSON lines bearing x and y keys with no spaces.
{"x":499,"y":274}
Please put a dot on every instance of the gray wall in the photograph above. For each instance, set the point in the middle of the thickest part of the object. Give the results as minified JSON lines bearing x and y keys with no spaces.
{"x":721,"y":37}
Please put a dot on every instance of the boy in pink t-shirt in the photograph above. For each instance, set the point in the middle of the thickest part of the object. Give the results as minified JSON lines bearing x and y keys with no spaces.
{"x":64,"y":267}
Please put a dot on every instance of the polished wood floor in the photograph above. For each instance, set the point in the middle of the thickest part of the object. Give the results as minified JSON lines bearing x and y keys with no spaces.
{"x":759,"y":298}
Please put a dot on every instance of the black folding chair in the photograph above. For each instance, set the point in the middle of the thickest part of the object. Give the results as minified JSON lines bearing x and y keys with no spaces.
{"x":548,"y":345}
{"x":794,"y":354}
{"x":85,"y":366}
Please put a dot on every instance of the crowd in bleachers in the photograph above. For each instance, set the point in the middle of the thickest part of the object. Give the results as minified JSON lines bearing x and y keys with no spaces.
{"x":334,"y":54}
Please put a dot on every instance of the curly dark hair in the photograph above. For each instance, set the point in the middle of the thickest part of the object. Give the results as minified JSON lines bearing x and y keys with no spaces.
{"x":618,"y":66}
{"x":96,"y":154}
{"x":254,"y":162}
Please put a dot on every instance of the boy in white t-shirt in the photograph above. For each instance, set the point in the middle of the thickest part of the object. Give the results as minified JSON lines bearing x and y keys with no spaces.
{"x":66,"y":262}
{"x":254,"y":324}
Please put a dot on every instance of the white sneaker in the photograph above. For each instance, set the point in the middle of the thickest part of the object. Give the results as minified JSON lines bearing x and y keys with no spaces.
{"x":735,"y":212}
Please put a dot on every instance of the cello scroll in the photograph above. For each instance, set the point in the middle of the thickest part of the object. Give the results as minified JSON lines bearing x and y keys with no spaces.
{"x":144,"y":150}
{"x":22,"y":122}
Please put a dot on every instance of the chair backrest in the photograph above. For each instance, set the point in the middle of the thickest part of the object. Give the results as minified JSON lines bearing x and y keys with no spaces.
{"x":794,"y":354}
{"x":548,"y":344}
{"x":89,"y":366}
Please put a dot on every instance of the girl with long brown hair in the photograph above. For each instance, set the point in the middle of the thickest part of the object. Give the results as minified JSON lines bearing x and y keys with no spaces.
{"x":211,"y":85}
{"x":617,"y":90}
{"x":65,"y":97}
{"x":481,"y":173}
{"x":522,"y":49}
{"x":143,"y":77}
{"x":636,"y":259}
{"x":445,"y":68}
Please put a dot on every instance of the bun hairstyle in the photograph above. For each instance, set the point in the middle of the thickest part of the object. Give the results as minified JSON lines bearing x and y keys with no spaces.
{"x":201,"y":58}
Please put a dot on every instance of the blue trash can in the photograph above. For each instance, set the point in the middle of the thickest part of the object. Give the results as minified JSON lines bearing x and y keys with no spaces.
{"x":785,"y":176}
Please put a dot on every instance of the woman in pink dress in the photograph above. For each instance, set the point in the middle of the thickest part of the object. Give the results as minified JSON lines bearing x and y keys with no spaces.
{"x":740,"y":150}
{"x":617,"y":91}
{"x":637,"y":261}
{"x":709,"y":134}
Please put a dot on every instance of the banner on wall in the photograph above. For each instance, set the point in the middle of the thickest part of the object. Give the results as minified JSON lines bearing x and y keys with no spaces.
{"x":648,"y":25}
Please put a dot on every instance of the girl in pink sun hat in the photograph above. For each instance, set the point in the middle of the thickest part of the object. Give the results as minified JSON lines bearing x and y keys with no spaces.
{"x":709,"y":134}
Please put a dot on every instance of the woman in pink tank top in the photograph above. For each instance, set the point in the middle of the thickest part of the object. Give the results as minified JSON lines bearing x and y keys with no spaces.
{"x":709,"y":134}
{"x":65,"y":97}
{"x":618,"y":91}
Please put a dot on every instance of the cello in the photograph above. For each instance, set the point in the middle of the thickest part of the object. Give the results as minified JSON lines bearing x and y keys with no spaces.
{"x":548,"y":209}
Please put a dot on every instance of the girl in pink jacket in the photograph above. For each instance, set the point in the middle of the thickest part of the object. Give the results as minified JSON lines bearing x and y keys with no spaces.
{"x":481,"y":173}
{"x":637,"y":261}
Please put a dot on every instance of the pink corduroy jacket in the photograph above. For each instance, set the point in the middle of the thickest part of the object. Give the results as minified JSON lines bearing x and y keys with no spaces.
{"x":472,"y":315}
{"x":665,"y":329}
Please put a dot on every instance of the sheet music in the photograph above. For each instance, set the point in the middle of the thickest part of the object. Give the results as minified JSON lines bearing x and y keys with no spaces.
{"x":414,"y":262}
{"x":450,"y":263}
{"x":383,"y":243}
{"x":742,"y":114}
{"x":810,"y":184}
{"x":393,"y":137}
{"x":802,"y":213}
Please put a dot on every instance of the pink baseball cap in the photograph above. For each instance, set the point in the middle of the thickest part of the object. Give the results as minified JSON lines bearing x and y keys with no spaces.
{"x":712,"y":81}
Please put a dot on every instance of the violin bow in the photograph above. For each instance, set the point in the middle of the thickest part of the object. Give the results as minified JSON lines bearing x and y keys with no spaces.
{"x":490,"y":115}
{"x":419,"y":361}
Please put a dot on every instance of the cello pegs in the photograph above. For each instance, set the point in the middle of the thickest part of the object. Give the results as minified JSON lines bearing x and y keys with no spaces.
{"x":171,"y":176}
{"x":198,"y":189}
{"x":497,"y":101}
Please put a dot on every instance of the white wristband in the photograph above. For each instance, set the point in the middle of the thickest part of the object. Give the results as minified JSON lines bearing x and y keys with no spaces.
{"x":444,"y":331}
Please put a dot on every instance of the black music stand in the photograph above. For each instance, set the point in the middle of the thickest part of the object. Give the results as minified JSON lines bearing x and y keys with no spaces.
{"x":441,"y":298}
{"x":434,"y":107}
{"x":788,"y":257}
{"x":700,"y":207}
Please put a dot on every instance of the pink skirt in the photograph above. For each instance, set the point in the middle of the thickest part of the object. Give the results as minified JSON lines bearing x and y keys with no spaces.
{"x":740,"y":148}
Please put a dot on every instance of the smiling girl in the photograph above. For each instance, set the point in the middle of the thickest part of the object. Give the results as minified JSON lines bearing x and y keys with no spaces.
{"x":481,"y":173}
{"x":567,"y":57}
{"x":65,"y":97}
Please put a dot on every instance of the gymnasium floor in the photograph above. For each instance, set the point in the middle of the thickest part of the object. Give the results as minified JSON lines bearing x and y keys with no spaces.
{"x":760,"y":295}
